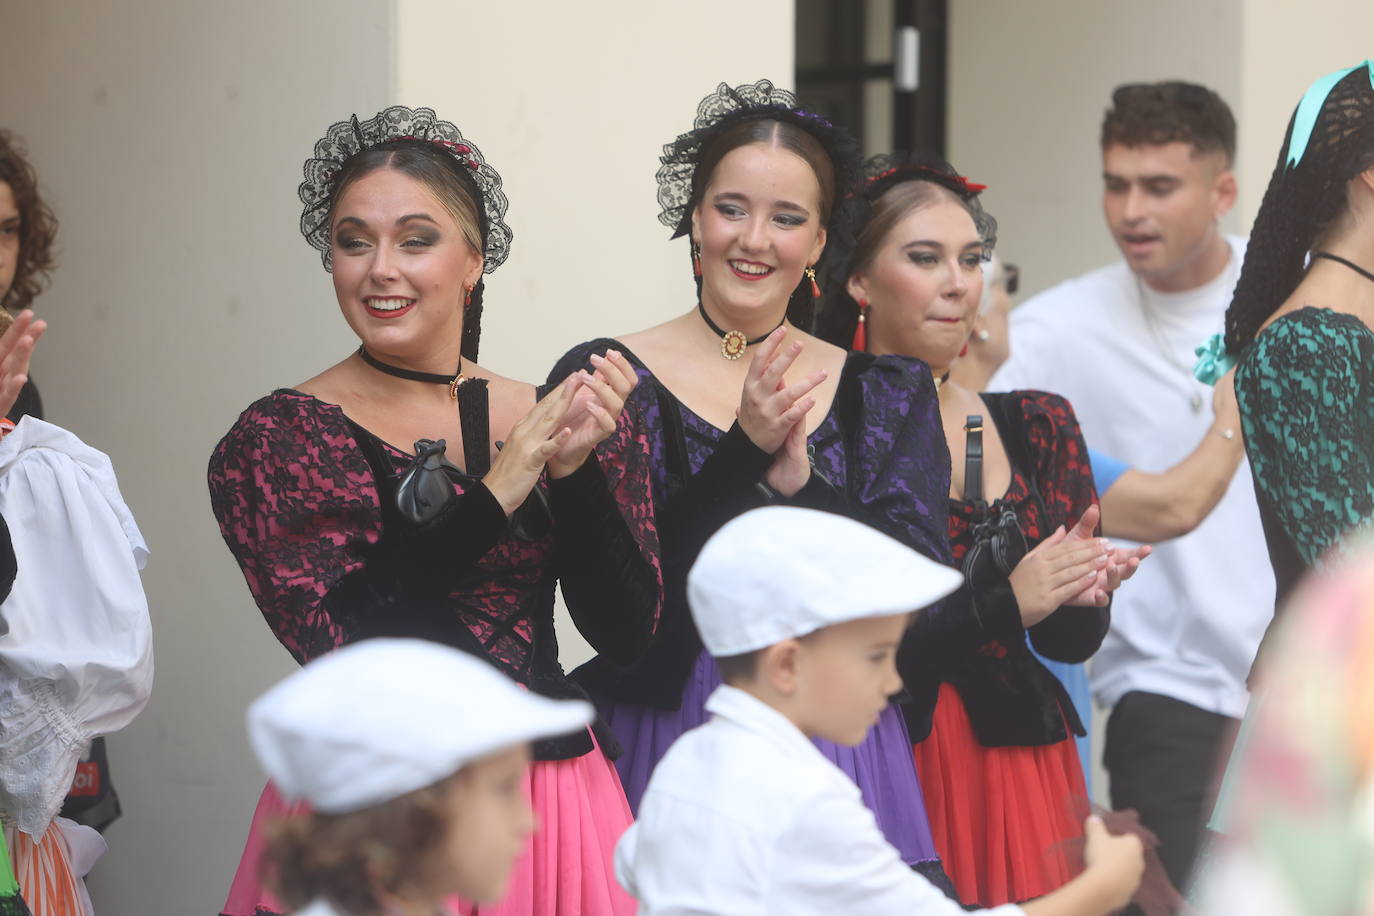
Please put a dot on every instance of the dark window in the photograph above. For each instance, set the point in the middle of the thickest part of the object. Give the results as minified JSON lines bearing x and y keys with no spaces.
{"x":878,"y":67}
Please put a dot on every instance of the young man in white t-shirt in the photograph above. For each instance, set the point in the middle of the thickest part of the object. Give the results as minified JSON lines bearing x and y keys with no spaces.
{"x":1118,"y":343}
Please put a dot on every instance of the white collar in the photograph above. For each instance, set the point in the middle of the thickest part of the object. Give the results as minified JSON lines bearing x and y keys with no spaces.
{"x":752,"y":714}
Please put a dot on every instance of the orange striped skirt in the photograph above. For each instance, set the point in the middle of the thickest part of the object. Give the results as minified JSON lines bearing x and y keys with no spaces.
{"x":43,"y":869}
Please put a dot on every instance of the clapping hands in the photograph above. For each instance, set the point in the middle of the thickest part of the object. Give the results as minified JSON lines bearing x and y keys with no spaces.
{"x":598,"y":399}
{"x":773,"y":412}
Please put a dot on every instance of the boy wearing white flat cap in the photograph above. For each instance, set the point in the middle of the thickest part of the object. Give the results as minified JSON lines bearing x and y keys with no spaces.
{"x":412,"y":757}
{"x":804,"y":611}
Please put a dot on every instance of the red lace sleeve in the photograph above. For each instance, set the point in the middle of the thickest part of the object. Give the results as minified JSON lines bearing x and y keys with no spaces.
{"x":1065,"y":480}
{"x":1063,"y":475}
{"x":296,"y":503}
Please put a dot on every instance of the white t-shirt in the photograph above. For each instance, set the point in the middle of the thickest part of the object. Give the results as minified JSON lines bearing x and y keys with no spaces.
{"x":1188,"y":624}
{"x":745,"y":817}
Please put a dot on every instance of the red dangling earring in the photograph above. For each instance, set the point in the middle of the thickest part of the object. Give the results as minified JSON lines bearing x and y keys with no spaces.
{"x":964,"y":351}
{"x":467,"y":296}
{"x":815,"y":287}
{"x":696,"y":260}
{"x":860,"y":332}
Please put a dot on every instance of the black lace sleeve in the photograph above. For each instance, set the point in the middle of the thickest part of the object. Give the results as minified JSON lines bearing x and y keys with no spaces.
{"x":608,"y":585}
{"x":1065,"y":482}
{"x":606,"y":537}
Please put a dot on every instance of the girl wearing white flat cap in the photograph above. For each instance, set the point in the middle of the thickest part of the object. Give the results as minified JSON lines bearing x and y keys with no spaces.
{"x":412,"y":757}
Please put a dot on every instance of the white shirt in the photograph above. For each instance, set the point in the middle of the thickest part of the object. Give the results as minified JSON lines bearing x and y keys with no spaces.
{"x":1188,"y":624}
{"x":319,"y":908}
{"x":744,"y":816}
{"x":76,"y":649}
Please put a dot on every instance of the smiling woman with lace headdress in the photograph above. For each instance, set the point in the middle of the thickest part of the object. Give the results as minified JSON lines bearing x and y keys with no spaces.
{"x":738,"y":405}
{"x":344,"y":530}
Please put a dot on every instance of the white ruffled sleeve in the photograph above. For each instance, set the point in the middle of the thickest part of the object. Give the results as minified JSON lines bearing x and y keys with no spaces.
{"x":76,"y":657}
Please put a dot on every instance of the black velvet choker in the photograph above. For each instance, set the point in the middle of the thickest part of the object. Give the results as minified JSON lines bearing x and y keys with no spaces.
{"x":452,"y":381}
{"x":733,"y":343}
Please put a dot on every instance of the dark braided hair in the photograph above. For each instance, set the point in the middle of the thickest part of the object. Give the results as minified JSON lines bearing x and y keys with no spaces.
{"x":37,"y":227}
{"x":1303,"y":201}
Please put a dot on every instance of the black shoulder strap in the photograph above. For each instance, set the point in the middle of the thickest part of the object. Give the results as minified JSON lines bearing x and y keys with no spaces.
{"x":474,"y":416}
{"x":973,"y":458}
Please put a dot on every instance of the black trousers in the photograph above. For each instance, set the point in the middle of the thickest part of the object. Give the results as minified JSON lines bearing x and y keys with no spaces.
{"x":1162,"y":756}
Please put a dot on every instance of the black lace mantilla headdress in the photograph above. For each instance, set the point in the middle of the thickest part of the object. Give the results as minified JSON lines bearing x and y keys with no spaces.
{"x":399,"y":127}
{"x":730,"y":105}
{"x":838,"y":320}
{"x":1330,"y":140}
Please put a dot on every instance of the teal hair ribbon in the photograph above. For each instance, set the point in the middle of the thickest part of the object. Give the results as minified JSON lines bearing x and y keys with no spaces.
{"x":1305,"y":118}
{"x":1212,"y":360}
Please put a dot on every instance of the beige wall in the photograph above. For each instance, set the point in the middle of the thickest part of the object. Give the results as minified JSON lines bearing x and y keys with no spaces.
{"x":574,"y":112}
{"x":170,"y":136}
{"x":1284,"y":53}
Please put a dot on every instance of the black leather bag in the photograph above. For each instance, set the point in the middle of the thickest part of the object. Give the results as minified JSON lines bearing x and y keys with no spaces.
{"x":425,"y":487}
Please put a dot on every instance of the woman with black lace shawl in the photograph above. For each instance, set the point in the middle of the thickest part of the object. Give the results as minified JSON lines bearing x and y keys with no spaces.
{"x":344,"y":531}
{"x":738,"y":406}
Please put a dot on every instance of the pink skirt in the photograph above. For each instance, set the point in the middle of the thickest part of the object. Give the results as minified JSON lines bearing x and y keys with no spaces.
{"x":566,"y":869}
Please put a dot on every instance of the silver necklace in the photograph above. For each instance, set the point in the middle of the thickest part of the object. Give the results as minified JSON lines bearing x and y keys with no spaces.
{"x":1151,"y":322}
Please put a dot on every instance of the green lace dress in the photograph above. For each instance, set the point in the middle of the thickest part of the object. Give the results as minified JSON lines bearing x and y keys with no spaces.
{"x":1305,"y":388}
{"x":1306,"y":393}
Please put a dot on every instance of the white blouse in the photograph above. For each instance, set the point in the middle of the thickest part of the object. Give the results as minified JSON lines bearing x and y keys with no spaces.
{"x":76,"y":652}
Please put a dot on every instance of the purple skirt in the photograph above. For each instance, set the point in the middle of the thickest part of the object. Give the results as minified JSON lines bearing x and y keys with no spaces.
{"x":882,"y":766}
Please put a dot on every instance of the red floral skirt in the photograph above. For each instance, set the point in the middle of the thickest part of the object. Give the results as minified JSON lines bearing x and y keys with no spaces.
{"x":1004,"y":818}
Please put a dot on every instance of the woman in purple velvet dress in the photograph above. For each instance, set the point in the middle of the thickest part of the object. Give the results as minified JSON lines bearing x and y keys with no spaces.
{"x":738,"y":406}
